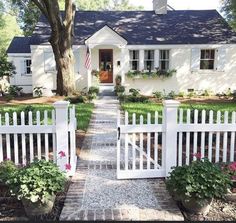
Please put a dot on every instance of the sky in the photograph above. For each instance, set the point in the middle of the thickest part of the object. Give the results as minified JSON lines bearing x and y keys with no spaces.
{"x":182,"y":4}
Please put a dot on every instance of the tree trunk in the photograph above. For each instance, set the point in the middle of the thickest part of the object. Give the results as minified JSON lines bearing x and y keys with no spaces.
{"x":61,"y":42}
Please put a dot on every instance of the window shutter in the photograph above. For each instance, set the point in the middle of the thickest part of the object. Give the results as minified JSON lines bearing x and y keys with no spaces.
{"x":49,"y":62}
{"x":22,"y":67}
{"x":195,"y":63}
{"x":221,"y":59}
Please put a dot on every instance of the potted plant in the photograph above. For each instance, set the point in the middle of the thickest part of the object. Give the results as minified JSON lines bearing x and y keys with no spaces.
{"x":36,"y":186}
{"x":196,"y":185}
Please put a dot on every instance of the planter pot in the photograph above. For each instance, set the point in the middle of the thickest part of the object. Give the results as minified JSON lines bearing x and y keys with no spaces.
{"x":38,"y":208}
{"x":197,"y":206}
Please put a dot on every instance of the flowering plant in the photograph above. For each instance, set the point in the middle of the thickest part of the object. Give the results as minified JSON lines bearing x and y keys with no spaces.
{"x":199,"y":180}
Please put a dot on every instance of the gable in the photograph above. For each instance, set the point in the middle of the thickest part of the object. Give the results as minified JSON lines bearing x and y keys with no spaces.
{"x":106,"y":36}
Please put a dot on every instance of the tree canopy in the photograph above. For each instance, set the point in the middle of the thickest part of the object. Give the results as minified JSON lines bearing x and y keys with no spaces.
{"x":229,"y":10}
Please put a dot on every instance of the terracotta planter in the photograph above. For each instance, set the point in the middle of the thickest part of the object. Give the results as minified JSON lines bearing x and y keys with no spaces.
{"x":37,"y":208}
{"x":197,"y":206}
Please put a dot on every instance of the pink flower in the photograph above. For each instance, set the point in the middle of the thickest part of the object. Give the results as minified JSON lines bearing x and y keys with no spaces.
{"x":62,"y":154}
{"x":198,"y":155}
{"x":232,"y":166}
{"x":68,"y":166}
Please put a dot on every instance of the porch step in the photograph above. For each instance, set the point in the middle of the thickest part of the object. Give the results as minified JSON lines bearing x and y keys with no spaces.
{"x":106,"y":90}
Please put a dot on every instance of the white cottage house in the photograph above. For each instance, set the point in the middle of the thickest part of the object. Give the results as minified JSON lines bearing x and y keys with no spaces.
{"x":198,"y":44}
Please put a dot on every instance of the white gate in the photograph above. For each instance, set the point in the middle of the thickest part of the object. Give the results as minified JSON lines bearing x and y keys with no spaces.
{"x":139,"y":148}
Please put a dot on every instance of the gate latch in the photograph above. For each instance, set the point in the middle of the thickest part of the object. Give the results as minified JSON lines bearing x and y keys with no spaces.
{"x":118,"y":129}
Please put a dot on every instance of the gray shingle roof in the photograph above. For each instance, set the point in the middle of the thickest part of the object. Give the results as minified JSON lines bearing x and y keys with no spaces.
{"x":19,"y":44}
{"x":147,"y":28}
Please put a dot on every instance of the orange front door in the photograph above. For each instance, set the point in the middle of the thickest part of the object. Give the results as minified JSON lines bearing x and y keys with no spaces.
{"x":106,"y":66}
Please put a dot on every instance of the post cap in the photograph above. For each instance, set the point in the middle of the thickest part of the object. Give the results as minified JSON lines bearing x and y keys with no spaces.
{"x":61,"y":104}
{"x":171,"y":103}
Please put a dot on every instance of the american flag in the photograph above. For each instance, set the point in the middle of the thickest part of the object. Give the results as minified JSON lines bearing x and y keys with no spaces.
{"x":88,"y":59}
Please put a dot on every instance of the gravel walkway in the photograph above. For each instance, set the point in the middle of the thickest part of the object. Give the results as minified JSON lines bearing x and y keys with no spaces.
{"x":96,"y":194}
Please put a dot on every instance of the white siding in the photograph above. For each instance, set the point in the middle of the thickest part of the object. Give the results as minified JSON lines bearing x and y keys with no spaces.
{"x":20,"y":78}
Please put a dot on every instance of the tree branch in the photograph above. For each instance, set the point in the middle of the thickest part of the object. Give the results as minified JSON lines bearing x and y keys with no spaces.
{"x":41,"y":7}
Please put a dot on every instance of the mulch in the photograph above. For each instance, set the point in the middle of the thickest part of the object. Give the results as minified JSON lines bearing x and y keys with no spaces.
{"x":221,"y":210}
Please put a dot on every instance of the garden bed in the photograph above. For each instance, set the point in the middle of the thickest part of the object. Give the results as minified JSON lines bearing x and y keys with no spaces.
{"x":12,"y":209}
{"x":220,"y":211}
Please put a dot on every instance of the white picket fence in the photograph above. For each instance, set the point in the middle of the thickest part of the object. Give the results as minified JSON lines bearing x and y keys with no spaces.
{"x":148,"y":150}
{"x":31,"y":136}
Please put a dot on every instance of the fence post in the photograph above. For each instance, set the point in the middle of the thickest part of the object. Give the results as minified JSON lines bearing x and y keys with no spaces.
{"x":170,"y":128}
{"x":61,"y":123}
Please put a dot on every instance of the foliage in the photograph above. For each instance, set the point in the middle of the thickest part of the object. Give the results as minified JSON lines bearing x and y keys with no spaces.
{"x":171,"y":95}
{"x":6,"y":68}
{"x":229,"y":168}
{"x":38,"y":91}
{"x":229,"y":10}
{"x":200,"y":180}
{"x":14,"y":90}
{"x":7,"y":170}
{"x":119,"y":89}
{"x":37,"y":182}
{"x":93,"y":90}
{"x":158,"y":95}
{"x":134,"y":92}
{"x":158,"y":73}
{"x":181,"y":94}
{"x":77,"y":99}
{"x":207,"y":93}
{"x":95,"y":73}
{"x":118,"y":80}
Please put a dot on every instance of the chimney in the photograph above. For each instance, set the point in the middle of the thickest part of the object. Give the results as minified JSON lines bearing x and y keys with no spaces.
{"x":160,"y":7}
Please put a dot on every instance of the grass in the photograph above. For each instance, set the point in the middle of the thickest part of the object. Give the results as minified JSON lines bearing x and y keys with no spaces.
{"x":151,"y":107}
{"x":83,"y":112}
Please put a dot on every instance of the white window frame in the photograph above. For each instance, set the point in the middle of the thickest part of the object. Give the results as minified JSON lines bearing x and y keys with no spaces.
{"x":132,"y":60}
{"x":25,"y":67}
{"x":152,"y":60}
{"x":165,"y":60}
{"x":208,"y":59}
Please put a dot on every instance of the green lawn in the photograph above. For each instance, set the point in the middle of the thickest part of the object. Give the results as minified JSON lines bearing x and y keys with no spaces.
{"x":151,"y":107}
{"x":83,"y":112}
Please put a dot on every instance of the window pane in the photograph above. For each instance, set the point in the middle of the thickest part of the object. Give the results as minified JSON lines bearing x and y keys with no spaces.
{"x":212,"y":54}
{"x":202,"y":54}
{"x":164,"y":54}
{"x":164,"y":65}
{"x":207,"y":65}
{"x":149,"y":54}
{"x":148,"y":65}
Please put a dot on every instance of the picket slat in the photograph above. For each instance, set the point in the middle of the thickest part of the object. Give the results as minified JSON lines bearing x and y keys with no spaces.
{"x":38,"y":136}
{"x":195,"y":134}
{"x":31,"y":138}
{"x":180,"y":139}
{"x":225,"y":138}
{"x":232,"y":143}
{"x":54,"y":145}
{"x":126,"y":142}
{"x":8,"y":138}
{"x":148,"y":142}
{"x":118,"y":143}
{"x":188,"y":139}
{"x":134,"y":143}
{"x":141,"y":144}
{"x":46,"y":136}
{"x":156,"y":142}
{"x":218,"y":121}
{"x":203,"y":135}
{"x":210,"y":137}
{"x":16,"y":149}
{"x":23,"y":139}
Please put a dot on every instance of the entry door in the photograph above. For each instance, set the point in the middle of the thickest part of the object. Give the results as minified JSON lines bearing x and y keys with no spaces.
{"x":106,"y":66}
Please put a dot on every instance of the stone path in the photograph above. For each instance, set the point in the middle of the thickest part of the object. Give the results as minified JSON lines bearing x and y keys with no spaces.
{"x":96,"y":194}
